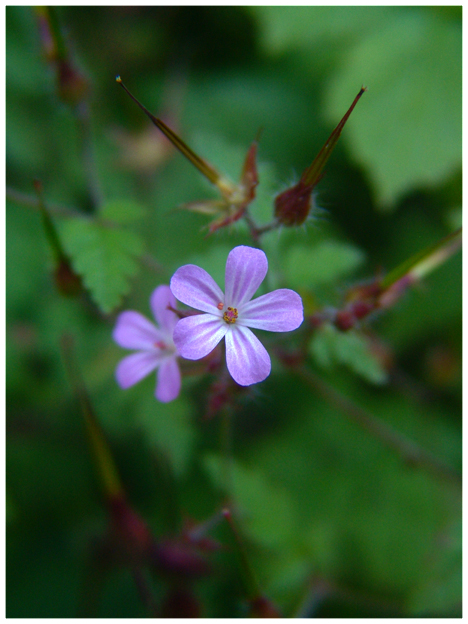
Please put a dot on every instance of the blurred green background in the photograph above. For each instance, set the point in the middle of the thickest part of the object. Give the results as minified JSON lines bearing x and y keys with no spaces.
{"x":333,"y":520}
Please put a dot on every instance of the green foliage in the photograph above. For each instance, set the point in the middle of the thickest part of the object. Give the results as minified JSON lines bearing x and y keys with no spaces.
{"x":105,"y":257}
{"x":319,"y":499}
{"x":412,"y":67}
{"x":121,"y":211}
{"x":406,"y":57}
{"x":169,"y":429}
{"x":329,"y":347}
{"x":326,"y":263}
{"x":441,"y":586}
{"x":258,"y":501}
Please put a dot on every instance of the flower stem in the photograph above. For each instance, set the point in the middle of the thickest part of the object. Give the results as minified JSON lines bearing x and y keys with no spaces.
{"x":251,"y":584}
{"x":226,"y":449}
{"x":87,"y":150}
{"x":28,"y":201}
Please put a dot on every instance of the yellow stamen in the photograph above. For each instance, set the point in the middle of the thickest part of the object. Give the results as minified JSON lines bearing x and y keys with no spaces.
{"x":230,"y":315}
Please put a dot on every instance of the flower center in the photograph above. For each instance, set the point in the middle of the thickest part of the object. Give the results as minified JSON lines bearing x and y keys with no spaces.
{"x":160,"y":344}
{"x":231,"y":315}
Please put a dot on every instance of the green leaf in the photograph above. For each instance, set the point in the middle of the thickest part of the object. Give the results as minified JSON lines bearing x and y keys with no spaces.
{"x":407,"y":131}
{"x":283,"y":28}
{"x":265,"y":507}
{"x":323,"y":264}
{"x":441,"y":589}
{"x":121,"y":211}
{"x":169,"y":428}
{"x":104,"y":258}
{"x":329,"y":346}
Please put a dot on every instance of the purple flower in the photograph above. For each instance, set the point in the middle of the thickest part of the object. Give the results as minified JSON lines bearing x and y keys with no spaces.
{"x":230,"y":315}
{"x":155,"y":347}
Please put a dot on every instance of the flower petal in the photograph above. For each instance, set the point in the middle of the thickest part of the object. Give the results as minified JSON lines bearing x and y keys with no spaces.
{"x":169,"y":381}
{"x":195,"y":287}
{"x":246,"y":268}
{"x":278,"y":311}
{"x":246,"y":357}
{"x":133,"y":331}
{"x":135,"y":367}
{"x":196,"y":336}
{"x":161,"y":298}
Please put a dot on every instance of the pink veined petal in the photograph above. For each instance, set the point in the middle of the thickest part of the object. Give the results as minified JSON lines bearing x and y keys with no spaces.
{"x":161,"y":298}
{"x":169,"y":380}
{"x":135,"y":367}
{"x":196,"y":336}
{"x":133,"y":331}
{"x":247,"y":359}
{"x":195,"y":287}
{"x":246,"y":268}
{"x":278,"y":311}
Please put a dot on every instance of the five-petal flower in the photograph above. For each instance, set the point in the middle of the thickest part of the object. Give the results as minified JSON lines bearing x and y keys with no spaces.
{"x":155,"y":347}
{"x":230,"y":315}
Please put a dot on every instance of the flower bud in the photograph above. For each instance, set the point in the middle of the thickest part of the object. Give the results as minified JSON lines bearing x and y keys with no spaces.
{"x":344,"y":320}
{"x":72,"y":87}
{"x":179,"y":558}
{"x":261,"y":607}
{"x":129,"y":530}
{"x":67,"y":281}
{"x":293,"y":205}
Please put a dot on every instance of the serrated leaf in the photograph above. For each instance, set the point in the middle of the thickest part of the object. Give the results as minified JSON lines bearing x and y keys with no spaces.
{"x":329,"y":346}
{"x":121,"y":211}
{"x":104,"y":257}
{"x":323,"y":264}
{"x":266,"y":509}
{"x":408,"y":130}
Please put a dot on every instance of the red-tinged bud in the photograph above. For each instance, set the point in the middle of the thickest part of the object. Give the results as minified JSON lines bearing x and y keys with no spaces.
{"x":364,"y":292}
{"x":180,"y":602}
{"x":249,"y":177}
{"x":261,"y":607}
{"x":293,"y":206}
{"x":180,"y":558}
{"x":344,"y":320}
{"x":67,"y":281}
{"x":130,"y":531}
{"x":72,"y":86}
{"x":360,"y":309}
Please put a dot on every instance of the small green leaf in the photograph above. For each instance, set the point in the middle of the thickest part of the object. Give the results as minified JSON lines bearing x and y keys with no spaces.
{"x":121,"y":211}
{"x":323,"y":264}
{"x":329,"y":346}
{"x":104,"y":257}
